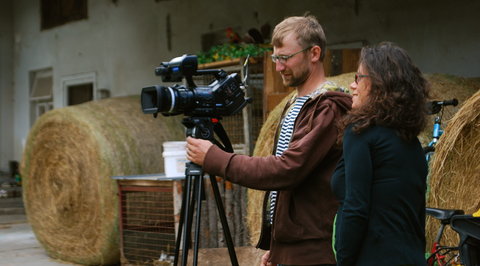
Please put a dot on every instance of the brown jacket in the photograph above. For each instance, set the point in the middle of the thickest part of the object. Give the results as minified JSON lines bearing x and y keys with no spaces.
{"x":305,"y":208}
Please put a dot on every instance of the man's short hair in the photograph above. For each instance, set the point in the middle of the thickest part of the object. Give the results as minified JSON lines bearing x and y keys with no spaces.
{"x":309,"y":32}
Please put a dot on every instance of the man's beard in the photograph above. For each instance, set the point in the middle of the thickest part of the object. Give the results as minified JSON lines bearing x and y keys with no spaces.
{"x":297,"y":80}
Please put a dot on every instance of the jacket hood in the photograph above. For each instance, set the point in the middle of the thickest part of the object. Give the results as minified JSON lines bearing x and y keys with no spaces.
{"x":343,"y":99}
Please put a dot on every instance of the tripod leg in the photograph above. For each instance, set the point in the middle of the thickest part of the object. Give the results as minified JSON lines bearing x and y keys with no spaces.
{"x":186,"y":229}
{"x":193,"y":197}
{"x":223,"y":219}
{"x":180,"y":226}
{"x":199,"y":190}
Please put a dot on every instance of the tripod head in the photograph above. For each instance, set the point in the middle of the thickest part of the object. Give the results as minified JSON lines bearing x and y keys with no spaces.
{"x":206,"y":128}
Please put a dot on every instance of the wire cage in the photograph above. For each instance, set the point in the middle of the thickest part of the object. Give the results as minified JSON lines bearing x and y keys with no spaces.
{"x":147,"y":221}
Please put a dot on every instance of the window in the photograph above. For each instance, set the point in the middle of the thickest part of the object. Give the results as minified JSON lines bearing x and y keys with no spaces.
{"x":42,"y":107}
{"x":58,"y":12}
{"x":41,"y":97}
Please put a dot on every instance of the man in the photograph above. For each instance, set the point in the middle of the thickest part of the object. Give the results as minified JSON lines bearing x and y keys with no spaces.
{"x":299,"y":206}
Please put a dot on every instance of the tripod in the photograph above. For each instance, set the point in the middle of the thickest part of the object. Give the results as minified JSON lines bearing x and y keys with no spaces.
{"x":204,"y":128}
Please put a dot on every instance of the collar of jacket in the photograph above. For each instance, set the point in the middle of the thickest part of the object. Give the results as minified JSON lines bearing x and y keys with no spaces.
{"x":322,"y":89}
{"x":325,"y":87}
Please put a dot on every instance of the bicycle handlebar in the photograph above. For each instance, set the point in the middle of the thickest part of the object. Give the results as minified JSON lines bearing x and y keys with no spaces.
{"x":453,"y":102}
{"x":435,"y":106}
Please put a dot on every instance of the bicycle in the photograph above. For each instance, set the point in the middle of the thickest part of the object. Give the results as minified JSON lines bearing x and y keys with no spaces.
{"x":467,"y":252}
{"x":436,"y":107}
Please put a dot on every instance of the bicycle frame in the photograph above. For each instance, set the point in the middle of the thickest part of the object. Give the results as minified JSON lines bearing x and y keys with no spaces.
{"x":437,"y":132}
{"x":441,"y":255}
{"x":435,"y":108}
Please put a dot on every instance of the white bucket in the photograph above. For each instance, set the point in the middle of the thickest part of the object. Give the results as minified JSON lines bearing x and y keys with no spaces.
{"x":174,"y":156}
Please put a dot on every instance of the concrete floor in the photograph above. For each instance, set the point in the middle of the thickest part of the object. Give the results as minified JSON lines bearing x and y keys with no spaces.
{"x":18,"y":245}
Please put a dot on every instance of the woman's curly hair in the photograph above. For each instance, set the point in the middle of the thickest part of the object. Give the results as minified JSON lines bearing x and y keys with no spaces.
{"x":398,"y":94}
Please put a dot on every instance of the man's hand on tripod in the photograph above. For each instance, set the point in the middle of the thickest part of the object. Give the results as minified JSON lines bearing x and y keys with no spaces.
{"x":196,"y":149}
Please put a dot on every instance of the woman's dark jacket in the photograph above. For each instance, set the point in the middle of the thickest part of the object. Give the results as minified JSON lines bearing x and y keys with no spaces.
{"x":381,"y":184}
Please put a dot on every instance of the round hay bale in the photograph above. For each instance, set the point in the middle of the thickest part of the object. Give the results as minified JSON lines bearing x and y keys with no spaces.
{"x":442,"y":87}
{"x":455,"y":172}
{"x":71,"y":154}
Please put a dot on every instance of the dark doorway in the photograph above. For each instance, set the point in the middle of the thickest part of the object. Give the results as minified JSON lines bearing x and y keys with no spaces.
{"x":80,"y":93}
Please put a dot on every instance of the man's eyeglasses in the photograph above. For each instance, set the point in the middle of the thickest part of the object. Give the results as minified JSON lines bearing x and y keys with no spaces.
{"x":359,"y":76}
{"x":283,"y":58}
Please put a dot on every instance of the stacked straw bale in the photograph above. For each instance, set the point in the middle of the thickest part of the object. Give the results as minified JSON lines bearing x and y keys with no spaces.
{"x":455,"y":171}
{"x":71,"y":155}
{"x":441,"y":86}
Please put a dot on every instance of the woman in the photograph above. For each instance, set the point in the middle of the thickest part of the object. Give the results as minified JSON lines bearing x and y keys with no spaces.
{"x":381,"y":179}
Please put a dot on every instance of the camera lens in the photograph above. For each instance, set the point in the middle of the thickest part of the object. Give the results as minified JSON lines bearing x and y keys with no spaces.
{"x":166,"y":100}
{"x":180,"y":99}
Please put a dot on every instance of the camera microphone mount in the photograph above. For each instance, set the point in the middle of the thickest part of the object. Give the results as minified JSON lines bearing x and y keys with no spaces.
{"x":193,"y":192}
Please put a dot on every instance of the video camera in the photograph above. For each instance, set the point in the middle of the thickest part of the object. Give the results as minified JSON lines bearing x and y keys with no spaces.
{"x":222,"y":97}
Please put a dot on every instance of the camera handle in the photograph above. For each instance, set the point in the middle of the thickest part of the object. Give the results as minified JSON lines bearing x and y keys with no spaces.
{"x":203,"y":128}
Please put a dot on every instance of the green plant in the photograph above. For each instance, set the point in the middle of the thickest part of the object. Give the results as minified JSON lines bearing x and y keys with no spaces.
{"x":231,"y":51}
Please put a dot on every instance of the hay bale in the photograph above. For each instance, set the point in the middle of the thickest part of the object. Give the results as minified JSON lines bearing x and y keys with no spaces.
{"x":71,"y":153}
{"x":455,"y":172}
{"x":442,"y":87}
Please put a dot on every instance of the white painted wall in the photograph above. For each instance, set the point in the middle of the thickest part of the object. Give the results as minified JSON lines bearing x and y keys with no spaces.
{"x":6,"y":84}
{"x":122,"y":43}
{"x":440,"y":36}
